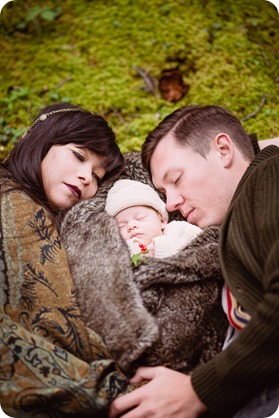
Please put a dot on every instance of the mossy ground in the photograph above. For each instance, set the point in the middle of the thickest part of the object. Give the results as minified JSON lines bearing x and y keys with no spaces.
{"x":85,"y":52}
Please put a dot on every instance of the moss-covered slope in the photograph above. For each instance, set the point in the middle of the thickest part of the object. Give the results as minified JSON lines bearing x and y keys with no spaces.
{"x":87,"y":52}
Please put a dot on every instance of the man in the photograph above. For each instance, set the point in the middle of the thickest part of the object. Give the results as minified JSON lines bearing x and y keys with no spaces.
{"x":203,"y":161}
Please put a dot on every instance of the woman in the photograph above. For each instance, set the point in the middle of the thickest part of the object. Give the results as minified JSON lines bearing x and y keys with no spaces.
{"x":51,"y":365}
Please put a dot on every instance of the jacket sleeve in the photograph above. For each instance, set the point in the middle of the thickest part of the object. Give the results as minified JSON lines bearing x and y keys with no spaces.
{"x":249,"y":255}
{"x":50,"y":363}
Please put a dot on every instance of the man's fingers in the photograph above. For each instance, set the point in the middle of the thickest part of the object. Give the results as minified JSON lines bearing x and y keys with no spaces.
{"x":130,"y":401}
{"x":144,"y":373}
{"x":124,"y":403}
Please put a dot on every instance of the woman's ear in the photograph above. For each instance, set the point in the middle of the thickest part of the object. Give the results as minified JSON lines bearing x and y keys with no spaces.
{"x":225,"y":147}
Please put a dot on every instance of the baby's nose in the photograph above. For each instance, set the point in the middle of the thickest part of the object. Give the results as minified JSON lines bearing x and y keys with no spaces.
{"x":131,"y":226}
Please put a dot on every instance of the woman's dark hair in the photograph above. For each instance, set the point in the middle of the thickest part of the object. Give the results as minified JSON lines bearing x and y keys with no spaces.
{"x":61,"y":124}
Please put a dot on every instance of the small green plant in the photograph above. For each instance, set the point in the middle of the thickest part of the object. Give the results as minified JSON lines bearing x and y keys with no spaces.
{"x":43,"y":12}
{"x":9,"y":133}
{"x":8,"y":137}
{"x":16,"y":94}
{"x":55,"y":96}
{"x":36,"y":15}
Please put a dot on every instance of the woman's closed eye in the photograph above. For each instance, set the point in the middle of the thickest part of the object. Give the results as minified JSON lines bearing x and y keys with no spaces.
{"x":81,"y":158}
{"x":98,"y":179}
{"x":79,"y":155}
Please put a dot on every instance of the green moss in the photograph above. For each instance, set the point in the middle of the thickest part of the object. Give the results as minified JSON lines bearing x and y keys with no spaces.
{"x":87,"y":51}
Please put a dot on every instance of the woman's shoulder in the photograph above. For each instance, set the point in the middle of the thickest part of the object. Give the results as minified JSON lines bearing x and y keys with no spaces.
{"x":6,"y":181}
{"x":12,"y":193}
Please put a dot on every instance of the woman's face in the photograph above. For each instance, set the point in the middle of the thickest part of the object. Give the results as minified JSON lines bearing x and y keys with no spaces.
{"x":70,"y":174}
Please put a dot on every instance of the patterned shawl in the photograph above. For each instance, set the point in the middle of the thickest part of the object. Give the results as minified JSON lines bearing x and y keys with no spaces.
{"x":51,"y":364}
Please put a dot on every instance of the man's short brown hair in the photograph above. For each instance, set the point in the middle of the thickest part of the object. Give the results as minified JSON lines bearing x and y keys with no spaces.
{"x":196,"y":127}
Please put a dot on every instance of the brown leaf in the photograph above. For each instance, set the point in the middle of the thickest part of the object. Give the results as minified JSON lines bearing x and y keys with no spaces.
{"x":171,"y":85}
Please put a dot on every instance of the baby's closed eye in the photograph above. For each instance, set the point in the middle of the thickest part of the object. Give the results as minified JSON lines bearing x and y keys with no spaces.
{"x":141,"y":218}
{"x":121,"y":225}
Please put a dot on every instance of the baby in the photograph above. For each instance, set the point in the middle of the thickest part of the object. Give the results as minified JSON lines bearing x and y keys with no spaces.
{"x":143,"y":221}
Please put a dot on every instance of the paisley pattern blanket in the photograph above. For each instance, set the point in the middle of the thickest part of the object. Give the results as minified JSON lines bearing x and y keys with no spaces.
{"x":162,"y":312}
{"x":51,"y":364}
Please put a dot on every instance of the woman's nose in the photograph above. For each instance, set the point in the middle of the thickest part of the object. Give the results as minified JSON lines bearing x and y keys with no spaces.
{"x":89,"y":185}
{"x":86,"y":175}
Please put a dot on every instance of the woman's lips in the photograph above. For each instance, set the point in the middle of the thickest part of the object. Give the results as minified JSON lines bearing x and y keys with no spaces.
{"x":74,"y":189}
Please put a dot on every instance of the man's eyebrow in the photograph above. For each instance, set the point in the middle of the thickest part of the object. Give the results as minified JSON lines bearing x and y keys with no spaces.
{"x":159,"y":189}
{"x":166,"y":175}
{"x":164,"y":179}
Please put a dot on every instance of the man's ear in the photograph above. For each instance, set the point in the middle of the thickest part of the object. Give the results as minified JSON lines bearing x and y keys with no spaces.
{"x":225,"y":147}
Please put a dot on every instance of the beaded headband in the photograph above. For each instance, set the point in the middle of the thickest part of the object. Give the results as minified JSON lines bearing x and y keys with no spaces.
{"x":42,"y":118}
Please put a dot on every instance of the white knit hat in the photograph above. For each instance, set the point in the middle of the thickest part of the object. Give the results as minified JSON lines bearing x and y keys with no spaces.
{"x":127,"y":193}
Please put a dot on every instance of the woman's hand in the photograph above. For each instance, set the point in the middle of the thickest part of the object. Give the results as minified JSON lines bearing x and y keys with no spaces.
{"x":168,"y":394}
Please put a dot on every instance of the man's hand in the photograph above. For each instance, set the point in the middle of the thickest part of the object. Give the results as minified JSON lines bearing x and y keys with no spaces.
{"x":168,"y":394}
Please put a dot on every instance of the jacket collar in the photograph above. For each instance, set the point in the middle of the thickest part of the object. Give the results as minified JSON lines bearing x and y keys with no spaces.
{"x":261,"y":156}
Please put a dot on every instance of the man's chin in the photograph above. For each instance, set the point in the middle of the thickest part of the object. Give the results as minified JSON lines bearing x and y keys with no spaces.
{"x":202,"y":223}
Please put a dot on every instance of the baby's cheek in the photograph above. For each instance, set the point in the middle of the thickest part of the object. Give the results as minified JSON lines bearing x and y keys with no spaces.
{"x":123,"y":234}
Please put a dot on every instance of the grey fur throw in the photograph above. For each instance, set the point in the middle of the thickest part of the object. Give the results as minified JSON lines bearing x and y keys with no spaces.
{"x":165,"y":311}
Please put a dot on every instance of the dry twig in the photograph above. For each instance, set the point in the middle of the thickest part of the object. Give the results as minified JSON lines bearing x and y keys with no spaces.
{"x":150,"y":82}
{"x":253,"y":114}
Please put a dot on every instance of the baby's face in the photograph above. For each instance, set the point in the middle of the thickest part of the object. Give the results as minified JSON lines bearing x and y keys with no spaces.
{"x":142,"y":222}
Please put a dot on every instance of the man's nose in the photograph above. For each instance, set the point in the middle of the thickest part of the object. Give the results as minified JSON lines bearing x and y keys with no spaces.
{"x":173,"y":202}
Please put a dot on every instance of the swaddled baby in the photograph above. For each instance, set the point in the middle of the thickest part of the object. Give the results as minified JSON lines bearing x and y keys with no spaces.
{"x":142,"y":220}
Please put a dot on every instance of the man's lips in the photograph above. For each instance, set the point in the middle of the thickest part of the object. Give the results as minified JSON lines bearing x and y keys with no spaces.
{"x":74,"y":189}
{"x":187,"y":214}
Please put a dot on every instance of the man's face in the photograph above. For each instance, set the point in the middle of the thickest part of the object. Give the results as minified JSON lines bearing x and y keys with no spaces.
{"x":199,"y":188}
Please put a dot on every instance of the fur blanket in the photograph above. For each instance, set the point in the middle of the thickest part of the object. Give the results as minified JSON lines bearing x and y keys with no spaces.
{"x":165,"y":311}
